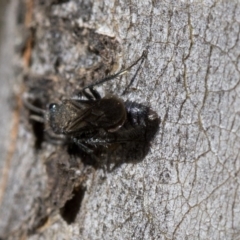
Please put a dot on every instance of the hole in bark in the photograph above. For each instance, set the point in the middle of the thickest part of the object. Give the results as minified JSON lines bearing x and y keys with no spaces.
{"x":71,"y":208}
{"x":38,"y":130}
{"x":37,"y":127}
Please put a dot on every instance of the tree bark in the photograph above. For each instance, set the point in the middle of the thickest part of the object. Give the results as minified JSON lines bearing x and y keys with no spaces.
{"x":187,"y":185}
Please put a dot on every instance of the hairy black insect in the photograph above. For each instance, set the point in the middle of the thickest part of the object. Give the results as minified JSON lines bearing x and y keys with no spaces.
{"x":91,"y":121}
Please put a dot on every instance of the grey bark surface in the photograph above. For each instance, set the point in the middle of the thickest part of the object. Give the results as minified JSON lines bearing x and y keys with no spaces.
{"x":187,"y":186}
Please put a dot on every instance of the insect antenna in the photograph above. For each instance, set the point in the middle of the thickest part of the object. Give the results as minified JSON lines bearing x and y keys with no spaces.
{"x":121,"y":72}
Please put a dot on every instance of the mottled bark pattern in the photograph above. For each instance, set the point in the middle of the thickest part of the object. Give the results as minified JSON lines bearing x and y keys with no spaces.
{"x":187,"y":185}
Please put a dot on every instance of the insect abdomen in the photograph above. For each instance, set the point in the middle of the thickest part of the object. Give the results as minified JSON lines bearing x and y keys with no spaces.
{"x":142,"y":120}
{"x":137,"y":114}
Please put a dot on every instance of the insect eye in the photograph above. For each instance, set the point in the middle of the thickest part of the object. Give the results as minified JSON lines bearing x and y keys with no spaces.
{"x":53,"y":107}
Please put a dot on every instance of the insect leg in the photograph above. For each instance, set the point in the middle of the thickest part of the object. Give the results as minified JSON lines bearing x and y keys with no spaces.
{"x":82,"y":146}
{"x":37,"y":118}
{"x":87,"y":95}
{"x":30,"y":106}
{"x":108,"y":78}
{"x":95,"y":93}
{"x":34,"y":109}
{"x":93,"y":96}
{"x":133,"y":78}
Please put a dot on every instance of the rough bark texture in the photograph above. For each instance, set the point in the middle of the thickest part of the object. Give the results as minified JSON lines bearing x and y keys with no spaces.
{"x":187,"y":186}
